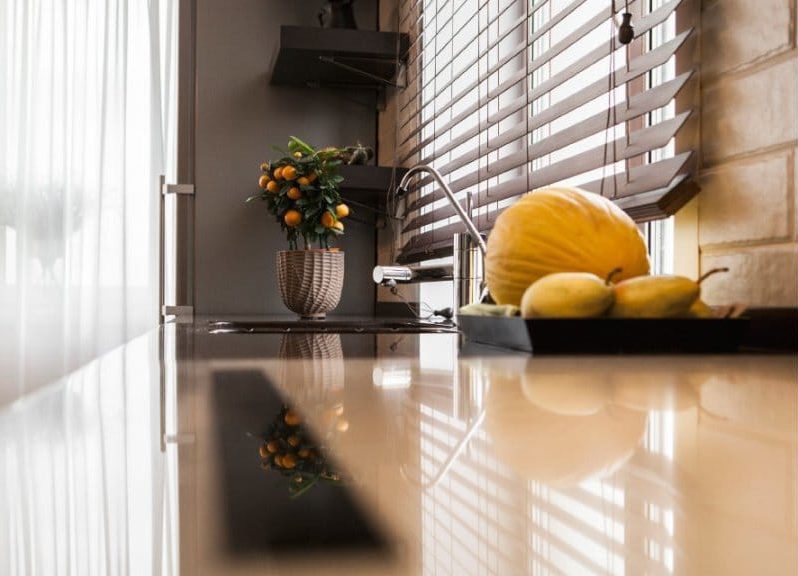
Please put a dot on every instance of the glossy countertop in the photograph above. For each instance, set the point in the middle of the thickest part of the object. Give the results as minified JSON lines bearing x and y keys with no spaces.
{"x":438,"y":457}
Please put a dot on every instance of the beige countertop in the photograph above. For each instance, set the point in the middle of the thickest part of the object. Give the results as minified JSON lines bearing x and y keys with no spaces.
{"x":444,"y":461}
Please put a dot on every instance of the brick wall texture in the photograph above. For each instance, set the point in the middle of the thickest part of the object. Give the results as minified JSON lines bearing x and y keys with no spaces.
{"x":747,"y":214}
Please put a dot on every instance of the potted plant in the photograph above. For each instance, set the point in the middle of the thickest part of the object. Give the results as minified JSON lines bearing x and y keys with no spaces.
{"x":301,"y":190}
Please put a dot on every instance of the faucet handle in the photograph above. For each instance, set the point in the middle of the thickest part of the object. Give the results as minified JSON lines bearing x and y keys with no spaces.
{"x":390,"y":275}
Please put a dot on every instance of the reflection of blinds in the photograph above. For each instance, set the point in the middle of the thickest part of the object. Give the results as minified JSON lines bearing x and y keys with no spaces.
{"x":506,"y":96}
{"x":483,"y":518}
{"x":472,"y":520}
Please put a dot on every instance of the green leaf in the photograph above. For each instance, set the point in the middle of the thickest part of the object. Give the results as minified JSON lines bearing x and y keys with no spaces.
{"x":299,"y":145}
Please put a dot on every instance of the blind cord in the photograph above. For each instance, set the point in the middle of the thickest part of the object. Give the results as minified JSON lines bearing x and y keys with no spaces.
{"x":612,"y":118}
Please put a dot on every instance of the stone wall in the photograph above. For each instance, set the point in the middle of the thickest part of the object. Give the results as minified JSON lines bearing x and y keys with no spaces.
{"x":746,"y":212}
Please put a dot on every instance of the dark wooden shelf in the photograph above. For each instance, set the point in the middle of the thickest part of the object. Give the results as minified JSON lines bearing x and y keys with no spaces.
{"x":334,"y":57}
{"x":369,"y":184}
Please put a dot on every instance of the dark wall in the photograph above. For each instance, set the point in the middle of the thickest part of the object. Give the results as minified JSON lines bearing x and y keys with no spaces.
{"x":239,"y":116}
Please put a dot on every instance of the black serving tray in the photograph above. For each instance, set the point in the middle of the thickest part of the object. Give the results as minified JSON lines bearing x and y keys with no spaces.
{"x":607,"y":335}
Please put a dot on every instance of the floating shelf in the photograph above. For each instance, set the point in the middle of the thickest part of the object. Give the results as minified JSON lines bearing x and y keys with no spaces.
{"x":337,"y":58}
{"x":369,"y":184}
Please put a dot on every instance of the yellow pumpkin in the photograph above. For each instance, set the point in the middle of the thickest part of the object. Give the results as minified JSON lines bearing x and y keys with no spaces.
{"x":560,"y":230}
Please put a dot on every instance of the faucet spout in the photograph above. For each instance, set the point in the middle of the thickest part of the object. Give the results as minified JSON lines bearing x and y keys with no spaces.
{"x":464,"y":217}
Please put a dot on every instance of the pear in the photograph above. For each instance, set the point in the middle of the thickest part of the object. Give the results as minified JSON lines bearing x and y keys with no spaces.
{"x":657,"y":296}
{"x":700,"y":309}
{"x":568,"y":295}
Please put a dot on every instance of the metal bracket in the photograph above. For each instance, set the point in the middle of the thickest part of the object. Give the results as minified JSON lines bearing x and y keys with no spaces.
{"x":355,"y":70}
{"x":401,"y":75}
{"x":177,"y":189}
{"x":179,"y":438}
{"x":181,"y":314}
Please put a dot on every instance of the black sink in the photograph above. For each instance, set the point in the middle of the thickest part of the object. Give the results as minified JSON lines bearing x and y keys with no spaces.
{"x":370,"y":326}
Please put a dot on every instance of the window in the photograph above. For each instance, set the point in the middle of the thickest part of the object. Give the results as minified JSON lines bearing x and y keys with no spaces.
{"x":507,"y":96}
{"x":87,"y":126}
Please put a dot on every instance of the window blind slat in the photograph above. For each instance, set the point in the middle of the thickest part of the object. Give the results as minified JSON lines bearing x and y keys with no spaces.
{"x":639,"y":105}
{"x":408,"y":96}
{"x":659,"y":177}
{"x":420,"y":69}
{"x":638,"y":66}
{"x":538,"y":106}
{"x":639,"y":142}
{"x":647,"y":23}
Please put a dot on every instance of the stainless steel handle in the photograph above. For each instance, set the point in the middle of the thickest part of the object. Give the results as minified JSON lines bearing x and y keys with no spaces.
{"x":178,"y":200}
{"x":161,"y":247}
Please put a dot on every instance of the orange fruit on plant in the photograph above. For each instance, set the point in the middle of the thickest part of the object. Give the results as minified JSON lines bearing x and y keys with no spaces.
{"x":263,"y":181}
{"x":264,"y":167}
{"x":292,"y":218}
{"x":292,"y":418}
{"x":278,"y":173}
{"x":272,"y":186}
{"x":294,"y":193}
{"x":339,"y":226}
{"x":289,"y":172}
{"x":327,"y":220}
{"x":297,"y":154}
{"x":342,"y":211}
{"x":303,"y":181}
{"x":312,"y":177}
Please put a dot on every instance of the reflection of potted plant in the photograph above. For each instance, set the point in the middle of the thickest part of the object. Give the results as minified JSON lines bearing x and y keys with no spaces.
{"x":301,"y":191}
{"x":288,"y":449}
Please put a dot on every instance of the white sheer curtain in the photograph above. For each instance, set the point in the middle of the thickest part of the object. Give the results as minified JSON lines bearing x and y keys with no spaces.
{"x":87,"y":109}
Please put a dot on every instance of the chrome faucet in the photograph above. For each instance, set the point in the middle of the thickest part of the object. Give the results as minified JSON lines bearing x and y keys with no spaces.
{"x":469,"y":251}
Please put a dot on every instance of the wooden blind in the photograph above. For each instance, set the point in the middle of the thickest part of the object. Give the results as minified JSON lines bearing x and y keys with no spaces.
{"x":506,"y":96}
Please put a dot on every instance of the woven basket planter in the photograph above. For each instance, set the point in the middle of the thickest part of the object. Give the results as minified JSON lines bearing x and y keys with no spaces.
{"x":310,"y":280}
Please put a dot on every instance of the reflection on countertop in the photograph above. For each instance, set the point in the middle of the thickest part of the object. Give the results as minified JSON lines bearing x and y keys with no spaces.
{"x":454,"y":463}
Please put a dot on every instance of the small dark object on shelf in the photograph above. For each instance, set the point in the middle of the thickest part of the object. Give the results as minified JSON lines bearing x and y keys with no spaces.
{"x":626,"y":32}
{"x":358,"y":155}
{"x":338,"y":14}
